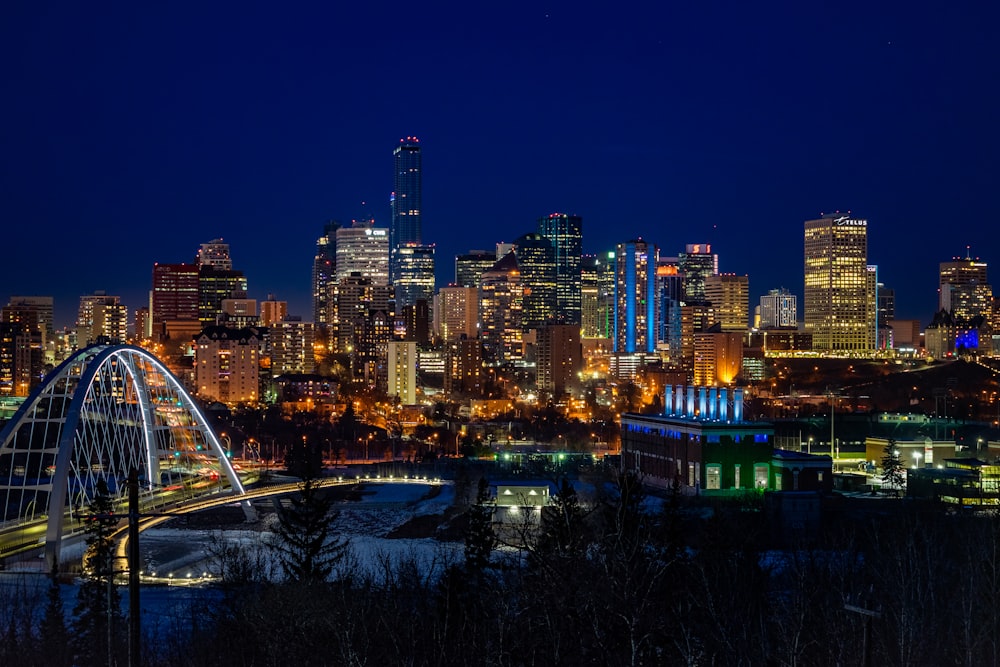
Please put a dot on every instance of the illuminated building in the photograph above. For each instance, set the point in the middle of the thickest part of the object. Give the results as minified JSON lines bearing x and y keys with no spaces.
{"x":415,"y":274}
{"x":363,"y":249}
{"x":500,"y":306}
{"x":174,"y":298}
{"x":227,"y":364}
{"x":536,"y":262}
{"x":405,"y":200}
{"x":457,"y":312}
{"x":215,"y":254}
{"x":635,"y":297}
{"x":729,"y":295}
{"x":402,"y":371}
{"x":143,"y":323}
{"x":371,"y":349}
{"x":239,"y":313}
{"x":964,"y":288}
{"x":778,"y":309}
{"x":470,"y":266}
{"x":21,"y":350}
{"x":464,"y":367}
{"x":42,"y":306}
{"x":100,"y":315}
{"x":836,"y":284}
{"x":215,"y":286}
{"x":565,"y":233}
{"x":696,"y":264}
{"x":272,"y":311}
{"x":948,"y":336}
{"x":718,"y":356}
{"x":695,"y":317}
{"x":357,"y":298}
{"x":559,"y":357}
{"x":871,"y":305}
{"x":589,"y":290}
{"x":324,"y":272}
{"x":292,"y":346}
{"x":416,"y":322}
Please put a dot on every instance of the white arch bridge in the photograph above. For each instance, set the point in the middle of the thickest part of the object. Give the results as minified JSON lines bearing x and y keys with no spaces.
{"x":105,"y":411}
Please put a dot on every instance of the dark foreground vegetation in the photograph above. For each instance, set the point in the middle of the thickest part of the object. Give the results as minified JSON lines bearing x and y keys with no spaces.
{"x":615,"y":580}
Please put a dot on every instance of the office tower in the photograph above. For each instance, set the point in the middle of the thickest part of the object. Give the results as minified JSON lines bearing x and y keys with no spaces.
{"x":405,"y":199}
{"x":718,"y":357}
{"x":324,"y":272}
{"x":635,"y":297}
{"x":363,"y":249}
{"x":272,"y":311}
{"x":565,"y":233}
{"x":227,"y":364}
{"x":101,"y":316}
{"x":402,"y":371}
{"x":669,"y":297}
{"x":174,"y":299}
{"x":22,"y":333}
{"x":886,"y":304}
{"x":871,"y":305}
{"x":536,"y":261}
{"x":357,"y":299}
{"x":964,"y":288}
{"x":559,"y":357}
{"x":501,"y":295}
{"x":457,"y":312}
{"x":215,"y":254}
{"x":729,"y":295}
{"x":371,"y":353}
{"x":696,"y":317}
{"x":464,"y":367}
{"x":292,"y":346}
{"x":215,"y":285}
{"x":606,"y":286}
{"x":470,"y":266}
{"x":778,"y":310}
{"x":696,"y":264}
{"x":836,"y":283}
{"x":415,"y":277}
{"x":589,"y":302}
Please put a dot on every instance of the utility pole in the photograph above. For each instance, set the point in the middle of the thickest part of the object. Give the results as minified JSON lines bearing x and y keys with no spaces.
{"x":134,"y":612}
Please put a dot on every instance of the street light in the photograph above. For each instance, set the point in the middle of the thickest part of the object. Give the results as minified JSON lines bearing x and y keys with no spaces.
{"x":916,"y":459}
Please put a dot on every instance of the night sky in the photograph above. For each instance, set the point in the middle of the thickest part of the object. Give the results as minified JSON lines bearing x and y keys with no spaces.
{"x":131,"y":133}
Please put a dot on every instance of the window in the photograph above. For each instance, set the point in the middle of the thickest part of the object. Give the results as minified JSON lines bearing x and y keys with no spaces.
{"x":736,"y":481}
{"x":760,"y":476}
{"x":713,"y":476}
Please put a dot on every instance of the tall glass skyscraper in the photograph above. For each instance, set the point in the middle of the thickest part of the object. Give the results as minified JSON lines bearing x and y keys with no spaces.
{"x":405,"y":198}
{"x":324,"y":272}
{"x":635,"y":297}
{"x":416,"y":274}
{"x":696,"y":264}
{"x":565,"y":232}
{"x":538,"y":275}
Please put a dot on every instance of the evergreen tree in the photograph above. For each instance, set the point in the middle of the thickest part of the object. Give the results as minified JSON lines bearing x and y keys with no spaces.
{"x":303,"y":536}
{"x":53,"y":637}
{"x":892,"y":467}
{"x":561,"y":531}
{"x":98,"y":621}
{"x":480,"y":538}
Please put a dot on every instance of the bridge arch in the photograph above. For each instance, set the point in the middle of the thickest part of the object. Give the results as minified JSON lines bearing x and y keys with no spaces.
{"x":106,"y":410}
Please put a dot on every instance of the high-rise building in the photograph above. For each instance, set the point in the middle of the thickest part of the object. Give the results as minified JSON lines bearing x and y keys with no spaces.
{"x":635,"y":297}
{"x":729,"y":295}
{"x":292,"y":347}
{"x":402,"y":370}
{"x":174,"y":298}
{"x":405,"y":199}
{"x":589,"y":302}
{"x":215,"y":286}
{"x":416,"y":322}
{"x":559,"y":357}
{"x":42,"y":305}
{"x":836,"y":283}
{"x":415,"y":278}
{"x":463,"y":363}
{"x":143,"y":324}
{"x":324,"y":272}
{"x":357,"y":299}
{"x":565,"y":233}
{"x":457,"y":312}
{"x":964,"y":288}
{"x":536,"y":261}
{"x":363,"y":249}
{"x":501,"y":295}
{"x":470,"y":266}
{"x":227,"y":364}
{"x":101,"y":316}
{"x":215,"y":254}
{"x":778,"y":310}
{"x":670,"y":298}
{"x":272,"y":311}
{"x":871,"y":305}
{"x":718,"y":357}
{"x":696,"y":264}
{"x":22,"y":333}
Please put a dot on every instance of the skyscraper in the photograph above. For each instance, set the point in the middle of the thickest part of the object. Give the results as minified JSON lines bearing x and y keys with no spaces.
{"x":415,"y":278}
{"x":696,"y":264}
{"x":100,"y":316}
{"x":363,"y":248}
{"x":324,"y":272}
{"x":729,"y":295}
{"x":174,"y":298}
{"x":215,"y":253}
{"x":536,"y":261}
{"x":565,"y":232}
{"x":778,"y":309}
{"x":836,"y":283}
{"x":457,"y":312}
{"x":635,"y":297}
{"x":405,"y":199}
{"x":500,"y":307}
{"x":964,"y":288}
{"x":470,"y":266}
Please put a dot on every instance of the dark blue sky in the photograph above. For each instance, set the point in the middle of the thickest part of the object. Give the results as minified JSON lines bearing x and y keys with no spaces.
{"x":130,"y":134}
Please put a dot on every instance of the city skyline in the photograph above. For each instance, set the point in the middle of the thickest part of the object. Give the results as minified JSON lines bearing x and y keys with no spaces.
{"x":676,"y":125}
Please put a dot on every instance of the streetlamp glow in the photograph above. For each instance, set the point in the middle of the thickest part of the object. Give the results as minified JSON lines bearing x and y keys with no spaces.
{"x":916,"y":459}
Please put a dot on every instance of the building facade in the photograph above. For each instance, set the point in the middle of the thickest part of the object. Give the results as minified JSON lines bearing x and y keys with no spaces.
{"x":227,"y":364}
{"x":405,"y":200}
{"x":402,"y":371}
{"x":415,"y":278}
{"x":635,"y":297}
{"x":565,"y":233}
{"x":778,"y":310}
{"x":729,"y":295}
{"x":536,"y":261}
{"x":363,"y":249}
